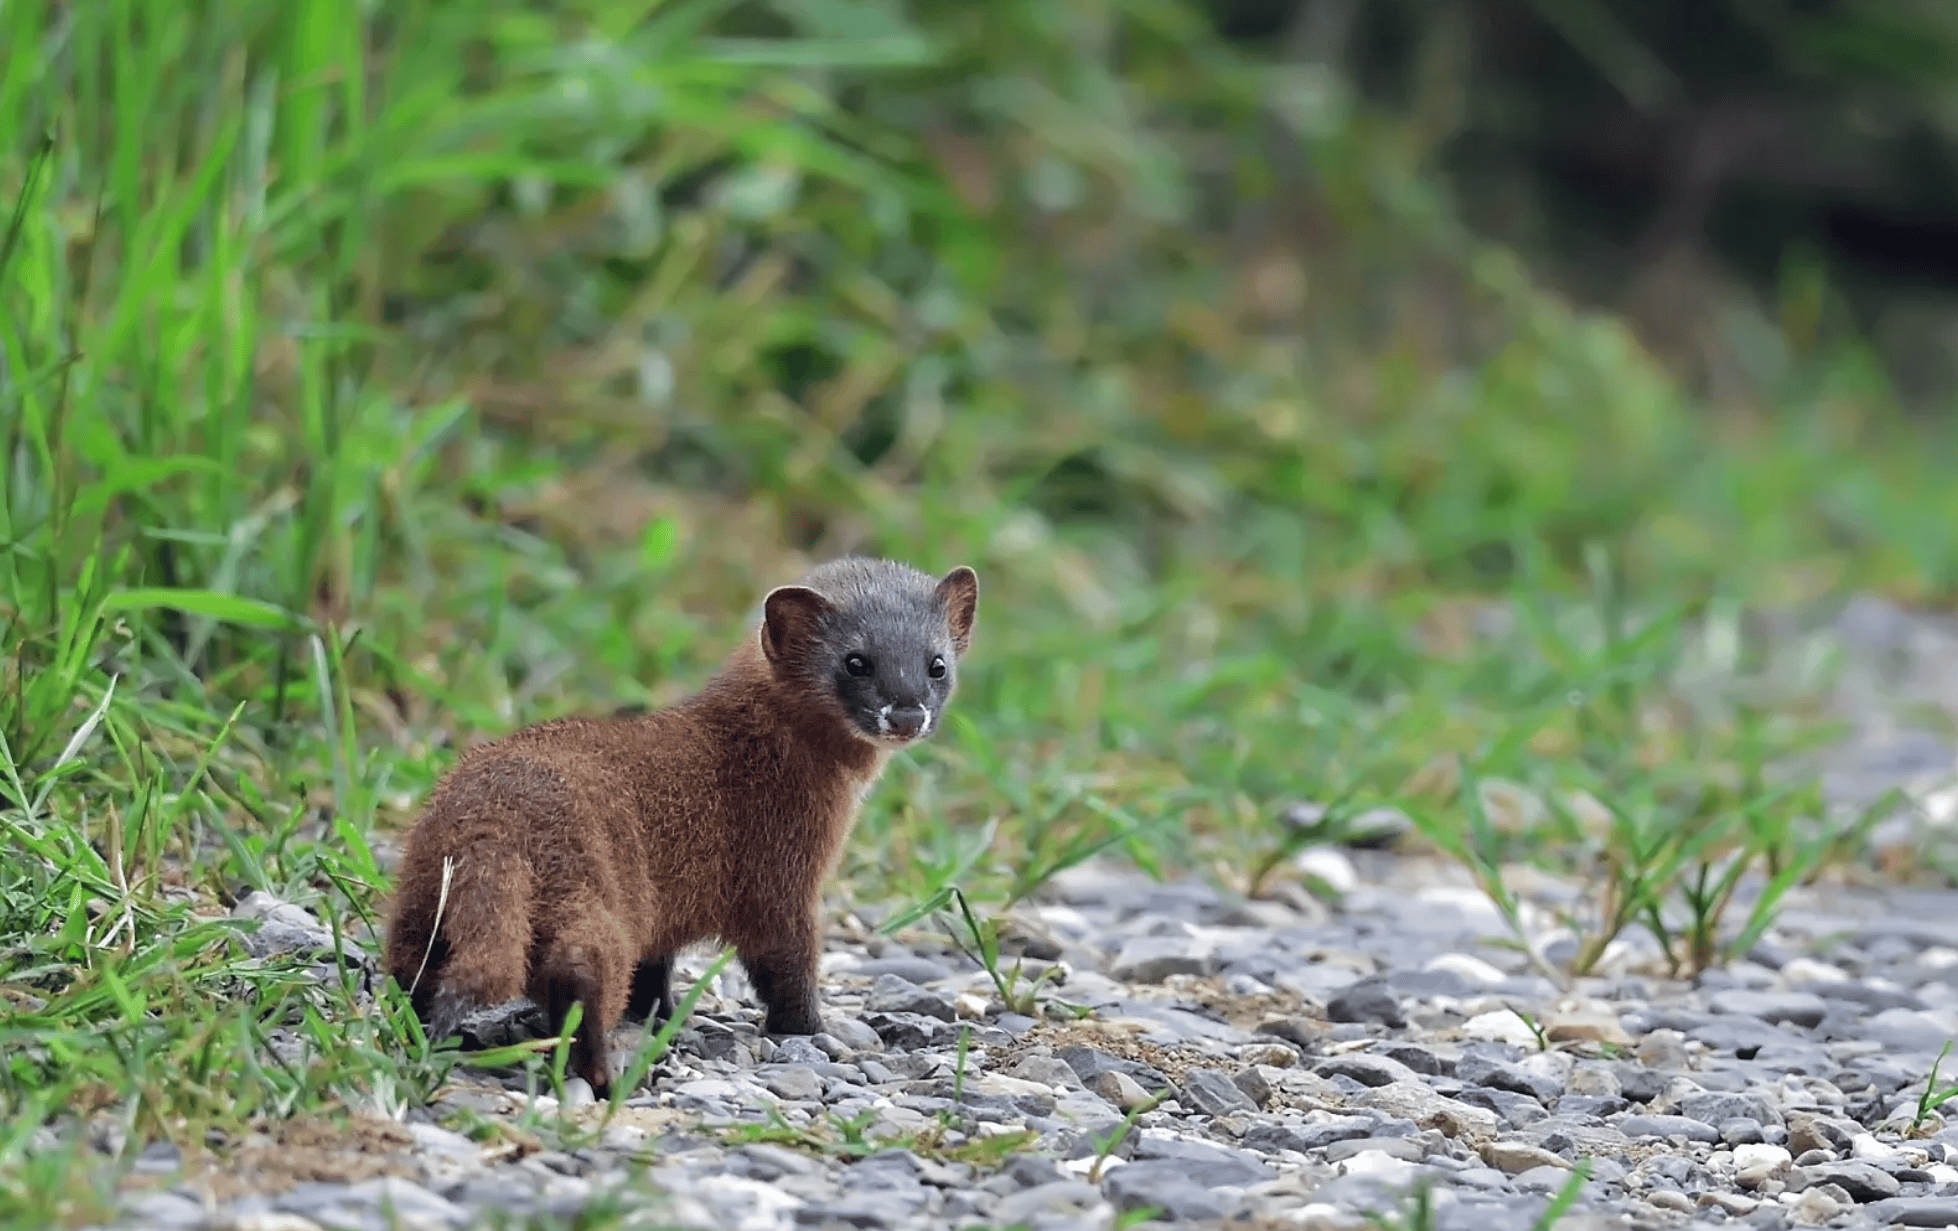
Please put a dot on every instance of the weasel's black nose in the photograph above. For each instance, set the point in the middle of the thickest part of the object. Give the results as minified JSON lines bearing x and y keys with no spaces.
{"x":907,"y":721}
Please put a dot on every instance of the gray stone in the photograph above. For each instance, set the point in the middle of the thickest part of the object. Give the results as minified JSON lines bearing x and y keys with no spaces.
{"x":911,"y":1031}
{"x":768,"y":1163}
{"x":1589,"y":1105}
{"x":1087,"y":1061}
{"x":1930,"y":1211}
{"x":854,"y":1034}
{"x":1715,"y":1108}
{"x":1862,"y":1181}
{"x":1666,"y":1127}
{"x":1047,"y":1070}
{"x":1404,"y":1148}
{"x":1366,"y":1000}
{"x":1212,"y":1093}
{"x":1742,"y":1130}
{"x":1572,"y":1136}
{"x":1638,"y":1083}
{"x":1804,"y":1009}
{"x":1255,"y":1083}
{"x":1306,"y":1138}
{"x":1517,"y":1109}
{"x":1368,"y":1070}
{"x":1431,"y":983}
{"x":892,"y":994}
{"x":1419,"y":1059}
{"x":1212,"y":1166}
{"x":1808,"y":1130}
{"x":1165,"y":1186}
{"x":908,"y":967}
{"x":877,"y":1208}
{"x":1905,"y":1030}
{"x":282,"y":928}
{"x":1545,"y":1179}
{"x":1030,"y":1171}
{"x":1067,"y":1200}
{"x":790,"y":1081}
{"x":1496,"y":1075}
{"x":1767,"y":1045}
{"x":404,"y":1200}
{"x":1173,"y":1025}
{"x":1874,"y":998}
{"x":166,"y":1211}
{"x":1151,"y":959}
{"x":798,"y":1049}
{"x":1119,"y":1088}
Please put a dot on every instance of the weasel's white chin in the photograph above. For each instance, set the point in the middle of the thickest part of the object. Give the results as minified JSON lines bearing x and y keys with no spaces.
{"x":887,"y":740}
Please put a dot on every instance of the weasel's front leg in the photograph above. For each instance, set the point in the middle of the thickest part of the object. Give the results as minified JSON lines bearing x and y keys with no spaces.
{"x":783,"y":971}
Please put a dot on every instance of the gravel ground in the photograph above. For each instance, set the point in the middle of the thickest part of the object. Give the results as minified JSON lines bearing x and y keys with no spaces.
{"x":1316,"y":1062}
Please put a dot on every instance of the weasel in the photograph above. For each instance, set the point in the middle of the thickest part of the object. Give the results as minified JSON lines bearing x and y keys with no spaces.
{"x":584,"y":853}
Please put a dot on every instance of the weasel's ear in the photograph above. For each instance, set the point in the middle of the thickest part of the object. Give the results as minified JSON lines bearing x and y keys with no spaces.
{"x":958,"y":592}
{"x":790,"y":617}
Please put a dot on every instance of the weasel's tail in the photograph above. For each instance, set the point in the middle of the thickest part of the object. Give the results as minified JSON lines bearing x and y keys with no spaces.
{"x":461,"y":934}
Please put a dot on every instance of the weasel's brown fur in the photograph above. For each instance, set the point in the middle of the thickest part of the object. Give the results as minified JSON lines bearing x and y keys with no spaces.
{"x":586,"y":853}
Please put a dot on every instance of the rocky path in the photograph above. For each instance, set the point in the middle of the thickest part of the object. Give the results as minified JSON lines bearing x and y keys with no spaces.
{"x":1241,"y":1064}
{"x":1316,"y":1064}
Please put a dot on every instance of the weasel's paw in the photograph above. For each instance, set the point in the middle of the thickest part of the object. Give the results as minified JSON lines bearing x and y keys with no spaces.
{"x":793,"y":1021}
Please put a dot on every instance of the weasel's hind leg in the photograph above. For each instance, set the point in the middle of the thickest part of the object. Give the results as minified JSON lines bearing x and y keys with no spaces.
{"x":652,"y":990}
{"x":590,"y":962}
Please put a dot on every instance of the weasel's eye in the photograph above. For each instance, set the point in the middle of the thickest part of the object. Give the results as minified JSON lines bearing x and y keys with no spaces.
{"x":937,"y":668}
{"x":857,"y":664}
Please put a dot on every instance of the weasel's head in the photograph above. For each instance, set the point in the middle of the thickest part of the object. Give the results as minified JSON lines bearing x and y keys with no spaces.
{"x":874,"y":642}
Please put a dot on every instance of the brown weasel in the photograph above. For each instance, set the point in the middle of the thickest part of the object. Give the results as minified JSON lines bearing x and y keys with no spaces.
{"x":586,"y":852}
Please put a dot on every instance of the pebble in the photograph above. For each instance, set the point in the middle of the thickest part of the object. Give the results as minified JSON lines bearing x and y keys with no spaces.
{"x":1152,"y":959}
{"x":282,"y":928}
{"x":1377,"y":1042}
{"x":1214,"y":1094}
{"x":1803,"y":1009}
{"x":1515,"y":1157}
{"x":896,"y":994}
{"x":1367,"y":1000}
{"x":1862,"y":1181}
{"x":1165,"y":1186}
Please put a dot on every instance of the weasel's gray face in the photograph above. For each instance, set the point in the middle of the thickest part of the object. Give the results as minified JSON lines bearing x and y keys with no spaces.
{"x":894,"y":679}
{"x":881,"y":639}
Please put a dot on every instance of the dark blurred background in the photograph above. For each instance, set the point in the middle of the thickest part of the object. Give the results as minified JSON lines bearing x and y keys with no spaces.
{"x":1699,"y":166}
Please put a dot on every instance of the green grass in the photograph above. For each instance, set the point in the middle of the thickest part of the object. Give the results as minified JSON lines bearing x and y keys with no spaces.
{"x":370,"y":384}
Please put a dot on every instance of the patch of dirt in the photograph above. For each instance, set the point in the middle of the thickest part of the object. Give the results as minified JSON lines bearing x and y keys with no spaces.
{"x":653,"y":1121}
{"x":1114,"y":1038}
{"x":307,"y":1149}
{"x":1241,"y":1012}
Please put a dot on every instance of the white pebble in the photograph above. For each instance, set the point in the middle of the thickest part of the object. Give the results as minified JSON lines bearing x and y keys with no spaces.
{"x":1502,"y":1026}
{"x":1329,"y":865}
{"x":1476,"y":909}
{"x":1380,"y":1165}
{"x":1807,"y":970}
{"x":1474,"y":969}
{"x":1758,"y":1155}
